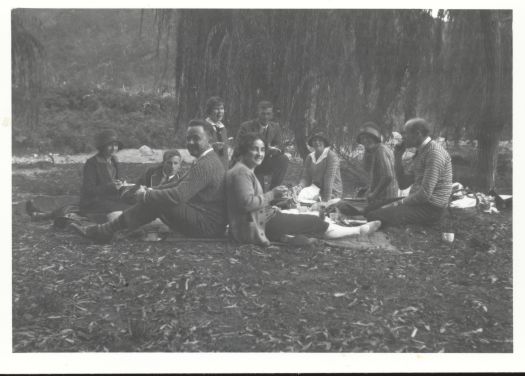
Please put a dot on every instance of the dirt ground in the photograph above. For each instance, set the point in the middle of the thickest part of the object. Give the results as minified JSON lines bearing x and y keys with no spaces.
{"x":72,"y":295}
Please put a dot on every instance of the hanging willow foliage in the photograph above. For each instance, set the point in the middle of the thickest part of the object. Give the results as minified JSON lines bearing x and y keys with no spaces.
{"x":333,"y":69}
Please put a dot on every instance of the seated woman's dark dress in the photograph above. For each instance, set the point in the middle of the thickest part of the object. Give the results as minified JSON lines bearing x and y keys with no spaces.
{"x":99,"y":193}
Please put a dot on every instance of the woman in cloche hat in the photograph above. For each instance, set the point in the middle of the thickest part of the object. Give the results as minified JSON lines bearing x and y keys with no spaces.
{"x":380,"y":166}
{"x":99,"y":194}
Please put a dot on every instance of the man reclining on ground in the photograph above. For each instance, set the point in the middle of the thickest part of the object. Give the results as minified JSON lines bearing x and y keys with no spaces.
{"x":194,"y":206}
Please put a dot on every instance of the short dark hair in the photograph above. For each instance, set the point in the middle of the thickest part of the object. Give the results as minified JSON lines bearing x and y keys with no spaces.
{"x":419,"y":125}
{"x":213,"y":102}
{"x":168,"y":154}
{"x":263,"y":105}
{"x":246,"y":142}
{"x":202,"y":123}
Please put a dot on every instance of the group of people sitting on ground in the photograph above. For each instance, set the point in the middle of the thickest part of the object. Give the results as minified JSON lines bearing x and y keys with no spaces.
{"x":225,"y":187}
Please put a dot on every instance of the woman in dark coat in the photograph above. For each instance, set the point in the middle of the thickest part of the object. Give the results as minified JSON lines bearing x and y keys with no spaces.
{"x":100,"y":179}
{"x":101,"y":182}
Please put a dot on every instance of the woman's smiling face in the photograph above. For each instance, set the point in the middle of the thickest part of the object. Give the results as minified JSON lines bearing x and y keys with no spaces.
{"x":255,"y":155}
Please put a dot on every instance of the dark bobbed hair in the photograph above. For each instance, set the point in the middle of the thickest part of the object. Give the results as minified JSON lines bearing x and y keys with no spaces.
{"x":213,"y":102}
{"x":419,"y":125}
{"x":202,"y":123}
{"x":246,"y":142}
{"x":263,"y":105}
{"x":168,"y":154}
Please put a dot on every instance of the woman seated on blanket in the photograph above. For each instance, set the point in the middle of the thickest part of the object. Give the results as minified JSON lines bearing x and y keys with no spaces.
{"x":321,"y":168}
{"x":99,"y":194}
{"x":253,"y":220}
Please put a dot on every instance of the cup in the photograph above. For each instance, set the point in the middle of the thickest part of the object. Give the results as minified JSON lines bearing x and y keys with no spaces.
{"x":152,"y":236}
{"x":447,"y":237}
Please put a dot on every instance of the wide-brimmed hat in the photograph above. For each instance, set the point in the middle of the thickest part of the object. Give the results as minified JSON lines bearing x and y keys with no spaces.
{"x":371,"y":130}
{"x":105,"y":137}
{"x":320,"y":135}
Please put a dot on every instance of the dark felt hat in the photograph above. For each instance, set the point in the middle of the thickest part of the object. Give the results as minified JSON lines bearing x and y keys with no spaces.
{"x":369,"y":129}
{"x":105,"y":137}
{"x":320,"y":135}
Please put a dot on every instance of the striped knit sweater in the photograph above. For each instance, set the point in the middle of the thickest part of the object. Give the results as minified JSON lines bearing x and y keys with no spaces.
{"x":432,"y":177}
{"x":202,"y":187}
{"x":326,"y":175}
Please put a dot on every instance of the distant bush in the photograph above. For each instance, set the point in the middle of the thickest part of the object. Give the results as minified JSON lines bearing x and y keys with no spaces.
{"x":70,"y":116}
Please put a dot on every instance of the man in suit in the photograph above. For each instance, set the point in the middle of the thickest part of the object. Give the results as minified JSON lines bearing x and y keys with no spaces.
{"x":275,"y":162}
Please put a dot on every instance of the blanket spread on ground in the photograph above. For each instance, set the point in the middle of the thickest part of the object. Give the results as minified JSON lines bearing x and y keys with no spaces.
{"x":376,"y":241}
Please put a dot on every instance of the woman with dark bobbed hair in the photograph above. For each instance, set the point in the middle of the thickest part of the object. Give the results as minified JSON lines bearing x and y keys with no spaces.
{"x":214,"y":116}
{"x":251,"y":217}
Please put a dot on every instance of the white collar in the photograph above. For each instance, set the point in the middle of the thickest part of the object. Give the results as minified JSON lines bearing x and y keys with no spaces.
{"x":216,"y":125}
{"x":168,"y":177}
{"x":205,"y":152}
{"x":425,"y":141}
{"x":321,"y":157}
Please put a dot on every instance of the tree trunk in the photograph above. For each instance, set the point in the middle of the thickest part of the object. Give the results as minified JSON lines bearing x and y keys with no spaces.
{"x":490,"y":128}
{"x":487,"y":159}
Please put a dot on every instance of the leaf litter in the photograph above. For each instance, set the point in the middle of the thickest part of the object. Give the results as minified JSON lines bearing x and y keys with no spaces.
{"x":71,"y":295}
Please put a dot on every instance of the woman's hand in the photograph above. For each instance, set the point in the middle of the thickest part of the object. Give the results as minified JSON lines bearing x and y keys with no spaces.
{"x":279,"y":191}
{"x":297,"y":189}
{"x":399,"y":149}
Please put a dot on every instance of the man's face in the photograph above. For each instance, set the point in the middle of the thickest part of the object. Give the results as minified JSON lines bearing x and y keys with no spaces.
{"x":217,"y":113}
{"x":172,"y":165}
{"x":265,"y":115}
{"x":197,"y":141}
{"x":369,"y":142}
{"x":411,"y":137}
{"x":318,"y":145}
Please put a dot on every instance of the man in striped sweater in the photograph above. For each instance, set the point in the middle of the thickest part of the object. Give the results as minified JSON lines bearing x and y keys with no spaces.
{"x":195,"y":205}
{"x":431,"y":180}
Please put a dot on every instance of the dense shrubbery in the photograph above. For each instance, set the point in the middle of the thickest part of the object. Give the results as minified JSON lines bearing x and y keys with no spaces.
{"x":70,"y":116}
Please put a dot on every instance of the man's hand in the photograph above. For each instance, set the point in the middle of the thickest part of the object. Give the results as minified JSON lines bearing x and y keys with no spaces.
{"x":140,"y":193}
{"x":218,"y":146}
{"x":393,"y":204}
{"x":371,"y":197}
